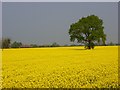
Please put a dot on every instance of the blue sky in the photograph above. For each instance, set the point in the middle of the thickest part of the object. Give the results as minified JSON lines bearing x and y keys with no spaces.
{"x":45,"y":23}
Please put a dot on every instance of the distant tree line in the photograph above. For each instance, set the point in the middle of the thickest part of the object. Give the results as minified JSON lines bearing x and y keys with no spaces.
{"x":6,"y":43}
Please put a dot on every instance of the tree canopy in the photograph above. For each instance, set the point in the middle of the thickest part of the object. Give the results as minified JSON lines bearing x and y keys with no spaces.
{"x":6,"y":42}
{"x":16,"y":44}
{"x":88,"y":30}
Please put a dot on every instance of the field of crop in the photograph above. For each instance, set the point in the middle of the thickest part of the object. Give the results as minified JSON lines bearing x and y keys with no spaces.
{"x":60,"y":67}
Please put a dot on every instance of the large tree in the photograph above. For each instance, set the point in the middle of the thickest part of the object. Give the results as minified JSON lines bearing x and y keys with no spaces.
{"x":88,"y":30}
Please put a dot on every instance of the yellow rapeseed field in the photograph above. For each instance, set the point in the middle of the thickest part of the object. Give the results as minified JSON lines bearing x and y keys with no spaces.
{"x":60,"y":67}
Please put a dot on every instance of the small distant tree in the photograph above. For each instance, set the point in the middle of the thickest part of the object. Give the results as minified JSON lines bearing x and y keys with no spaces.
{"x":66,"y":45}
{"x":16,"y":44}
{"x":6,"y":42}
{"x":34,"y":45}
{"x":111,"y":44}
{"x":0,"y":43}
{"x":54,"y":44}
{"x":88,"y":30}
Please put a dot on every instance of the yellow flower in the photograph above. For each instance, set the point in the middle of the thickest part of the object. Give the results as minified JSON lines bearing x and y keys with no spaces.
{"x":60,"y":67}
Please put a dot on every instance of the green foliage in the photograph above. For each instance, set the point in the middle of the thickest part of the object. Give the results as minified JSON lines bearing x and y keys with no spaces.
{"x":88,"y":30}
{"x":0,"y":43}
{"x":6,"y":42}
{"x":34,"y":45}
{"x":16,"y":44}
{"x":111,"y":44}
{"x":54,"y":44}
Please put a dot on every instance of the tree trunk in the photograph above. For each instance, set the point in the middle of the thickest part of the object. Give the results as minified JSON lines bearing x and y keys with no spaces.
{"x":89,"y":44}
